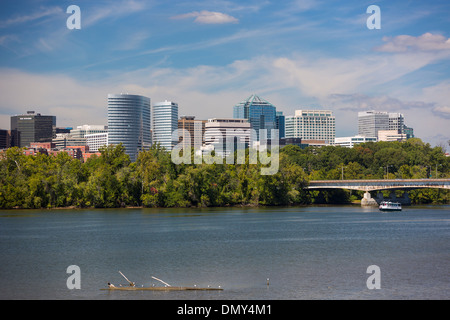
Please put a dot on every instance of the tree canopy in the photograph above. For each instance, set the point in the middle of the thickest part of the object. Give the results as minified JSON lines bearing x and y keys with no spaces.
{"x":112,"y":180}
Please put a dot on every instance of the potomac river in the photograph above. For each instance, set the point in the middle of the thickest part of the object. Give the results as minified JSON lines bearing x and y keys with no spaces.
{"x":311,"y":252}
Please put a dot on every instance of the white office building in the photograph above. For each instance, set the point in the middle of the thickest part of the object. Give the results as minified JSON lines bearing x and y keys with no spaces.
{"x":350,"y":142}
{"x":219,"y":131}
{"x":96,"y":140}
{"x":371,"y":122}
{"x":312,"y":125}
{"x":391,"y":135}
{"x":82,"y":131}
{"x":64,"y":140}
{"x":164,"y":123}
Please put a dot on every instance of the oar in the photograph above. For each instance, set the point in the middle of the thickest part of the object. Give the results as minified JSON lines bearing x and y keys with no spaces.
{"x":161,"y":281}
{"x":131,"y":283}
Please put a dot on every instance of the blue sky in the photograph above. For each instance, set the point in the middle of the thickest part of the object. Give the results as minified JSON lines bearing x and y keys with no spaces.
{"x":209,"y":55}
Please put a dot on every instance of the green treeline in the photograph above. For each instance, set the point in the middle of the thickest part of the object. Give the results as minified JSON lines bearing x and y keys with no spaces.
{"x":111,"y":180}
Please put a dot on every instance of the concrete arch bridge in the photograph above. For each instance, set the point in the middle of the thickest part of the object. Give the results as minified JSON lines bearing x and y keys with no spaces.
{"x":377,"y":185}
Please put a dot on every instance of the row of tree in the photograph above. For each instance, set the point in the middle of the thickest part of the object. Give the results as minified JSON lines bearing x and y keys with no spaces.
{"x":112,"y":180}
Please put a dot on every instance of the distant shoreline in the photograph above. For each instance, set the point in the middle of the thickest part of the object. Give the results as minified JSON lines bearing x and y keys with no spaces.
{"x":353,"y":203}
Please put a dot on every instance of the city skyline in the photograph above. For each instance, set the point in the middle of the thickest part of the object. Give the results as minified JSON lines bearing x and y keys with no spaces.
{"x":209,"y":55}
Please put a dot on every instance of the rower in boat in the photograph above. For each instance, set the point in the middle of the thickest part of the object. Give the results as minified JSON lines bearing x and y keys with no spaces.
{"x":110,"y":285}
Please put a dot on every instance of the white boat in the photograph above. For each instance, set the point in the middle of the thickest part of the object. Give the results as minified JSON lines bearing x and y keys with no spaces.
{"x":390,"y":206}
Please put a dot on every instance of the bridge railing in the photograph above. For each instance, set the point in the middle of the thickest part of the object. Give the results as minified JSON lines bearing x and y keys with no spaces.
{"x":380,"y":180}
{"x":372,"y":184}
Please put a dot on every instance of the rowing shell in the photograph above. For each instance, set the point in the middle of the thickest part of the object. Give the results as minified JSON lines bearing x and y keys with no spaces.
{"x":160,"y":289}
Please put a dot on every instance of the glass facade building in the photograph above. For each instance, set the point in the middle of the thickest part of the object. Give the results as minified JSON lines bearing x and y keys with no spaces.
{"x":129,"y":122}
{"x":164,"y":122}
{"x":281,"y":124}
{"x":4,"y":139}
{"x":33,"y":127}
{"x":371,"y":122}
{"x":260,"y":113}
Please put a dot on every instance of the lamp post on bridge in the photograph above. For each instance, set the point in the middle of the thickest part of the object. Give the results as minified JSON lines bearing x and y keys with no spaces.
{"x":342,"y":173}
{"x":387,"y":171}
{"x":440,"y":164}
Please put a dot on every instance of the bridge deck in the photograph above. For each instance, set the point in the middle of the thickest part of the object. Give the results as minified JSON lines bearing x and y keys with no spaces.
{"x":372,"y":185}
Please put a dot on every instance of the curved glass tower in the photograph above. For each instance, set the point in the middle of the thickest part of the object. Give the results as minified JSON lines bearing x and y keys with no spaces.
{"x":164,"y":122}
{"x":129,"y":122}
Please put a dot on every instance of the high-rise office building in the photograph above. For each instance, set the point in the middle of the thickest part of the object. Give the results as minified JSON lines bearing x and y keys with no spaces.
{"x":33,"y":127}
{"x":82,"y":131}
{"x":196,"y":128}
{"x":220,"y":132}
{"x":164,"y":123}
{"x":77,"y":137}
{"x":129,"y":122}
{"x":281,"y":124}
{"x":371,"y":122}
{"x":312,"y":125}
{"x":260,"y":114}
{"x":5,"y":139}
{"x":96,"y":140}
{"x":63,"y":140}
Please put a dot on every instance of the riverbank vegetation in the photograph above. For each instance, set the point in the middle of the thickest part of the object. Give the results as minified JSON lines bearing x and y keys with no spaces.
{"x":112,"y":180}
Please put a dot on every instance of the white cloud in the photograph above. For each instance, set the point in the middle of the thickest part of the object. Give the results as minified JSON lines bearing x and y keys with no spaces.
{"x":406,"y":43}
{"x":211,"y":91}
{"x":134,"y":41}
{"x":358,"y":102}
{"x":9,"y":38}
{"x":60,"y":95}
{"x":443,"y":111}
{"x":112,"y":10}
{"x":43,"y":12}
{"x":208,"y":17}
{"x":303,"y":5}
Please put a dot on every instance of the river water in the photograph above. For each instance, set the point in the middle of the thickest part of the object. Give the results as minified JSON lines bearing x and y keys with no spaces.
{"x":309,"y":252}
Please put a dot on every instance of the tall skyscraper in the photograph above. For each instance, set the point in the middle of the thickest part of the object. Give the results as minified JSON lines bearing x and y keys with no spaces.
{"x":260,"y":113}
{"x":312,"y":125}
{"x":33,"y":127}
{"x":371,"y":122}
{"x":4,"y":139}
{"x":281,"y":124}
{"x":129,"y":122}
{"x":164,"y":122}
{"x":196,"y":128}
